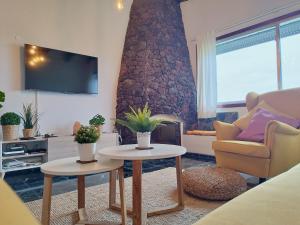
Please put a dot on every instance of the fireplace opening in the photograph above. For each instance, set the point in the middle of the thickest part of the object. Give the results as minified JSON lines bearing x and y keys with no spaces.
{"x":169,"y":132}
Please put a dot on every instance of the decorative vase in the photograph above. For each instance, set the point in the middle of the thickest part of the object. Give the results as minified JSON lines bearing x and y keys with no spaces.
{"x":76,"y":127}
{"x":27,"y":133}
{"x":87,"y":152}
{"x":143,"y":139}
{"x":10,"y":132}
{"x":99,"y":129}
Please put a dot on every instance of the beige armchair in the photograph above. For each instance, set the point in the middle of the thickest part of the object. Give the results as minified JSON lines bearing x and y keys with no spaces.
{"x":281,"y":148}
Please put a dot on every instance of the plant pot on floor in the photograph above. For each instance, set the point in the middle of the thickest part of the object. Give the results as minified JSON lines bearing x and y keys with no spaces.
{"x":27,"y":133}
{"x":143,"y":139}
{"x":87,"y":152}
{"x":10,"y":132}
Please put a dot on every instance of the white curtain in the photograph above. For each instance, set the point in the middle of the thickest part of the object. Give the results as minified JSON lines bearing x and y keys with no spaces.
{"x":207,"y":75}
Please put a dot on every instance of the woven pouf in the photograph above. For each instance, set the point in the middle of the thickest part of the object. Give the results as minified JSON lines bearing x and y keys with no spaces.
{"x":213,"y":183}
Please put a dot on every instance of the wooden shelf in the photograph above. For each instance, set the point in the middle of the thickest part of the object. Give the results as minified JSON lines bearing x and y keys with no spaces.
{"x":21,"y":141}
{"x":23,"y":156}
{"x":21,"y":168}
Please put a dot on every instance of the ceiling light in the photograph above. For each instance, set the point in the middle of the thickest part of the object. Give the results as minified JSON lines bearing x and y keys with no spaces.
{"x":120,"y":4}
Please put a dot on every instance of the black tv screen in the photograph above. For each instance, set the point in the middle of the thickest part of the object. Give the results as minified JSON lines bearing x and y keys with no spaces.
{"x":59,"y":71}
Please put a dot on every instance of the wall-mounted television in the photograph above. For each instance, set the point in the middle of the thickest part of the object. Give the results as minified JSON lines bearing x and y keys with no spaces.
{"x":59,"y":71}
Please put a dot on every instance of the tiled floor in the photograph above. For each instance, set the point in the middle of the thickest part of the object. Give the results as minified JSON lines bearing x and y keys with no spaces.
{"x":29,"y":183}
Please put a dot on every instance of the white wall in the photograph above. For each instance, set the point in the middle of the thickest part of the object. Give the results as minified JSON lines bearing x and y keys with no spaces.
{"x":91,"y":27}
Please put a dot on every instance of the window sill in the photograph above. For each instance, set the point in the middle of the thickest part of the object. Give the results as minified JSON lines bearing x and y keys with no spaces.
{"x":231,"y":105}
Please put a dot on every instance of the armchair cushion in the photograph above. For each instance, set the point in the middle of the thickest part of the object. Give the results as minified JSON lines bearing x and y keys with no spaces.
{"x":253,"y":149}
{"x":256,"y":129}
{"x":226,"y":131}
{"x":244,"y":121}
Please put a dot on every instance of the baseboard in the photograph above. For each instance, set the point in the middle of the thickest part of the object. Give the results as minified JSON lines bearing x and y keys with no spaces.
{"x":202,"y":157}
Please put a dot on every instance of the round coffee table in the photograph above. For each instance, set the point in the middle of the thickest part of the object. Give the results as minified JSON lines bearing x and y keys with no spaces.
{"x":69,"y":167}
{"x":159,"y":151}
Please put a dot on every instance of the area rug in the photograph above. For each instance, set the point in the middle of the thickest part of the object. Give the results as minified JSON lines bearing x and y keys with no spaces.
{"x":159,"y":190}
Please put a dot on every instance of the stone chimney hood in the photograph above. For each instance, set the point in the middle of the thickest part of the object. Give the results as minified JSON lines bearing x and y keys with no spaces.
{"x":155,"y":64}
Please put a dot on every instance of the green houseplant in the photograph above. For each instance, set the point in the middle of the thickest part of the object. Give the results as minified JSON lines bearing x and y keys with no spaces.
{"x":10,"y":122}
{"x":2,"y":98}
{"x":97,"y":121}
{"x":140,"y":122}
{"x":30,"y":120}
{"x":86,"y":137}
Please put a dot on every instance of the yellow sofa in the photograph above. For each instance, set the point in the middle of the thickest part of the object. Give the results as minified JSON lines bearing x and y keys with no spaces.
{"x":275,"y":202}
{"x":12,"y":210}
{"x":281,"y":148}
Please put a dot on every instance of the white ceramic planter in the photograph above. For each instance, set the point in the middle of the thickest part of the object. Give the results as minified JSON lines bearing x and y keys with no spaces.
{"x":87,"y":152}
{"x":143,"y":139}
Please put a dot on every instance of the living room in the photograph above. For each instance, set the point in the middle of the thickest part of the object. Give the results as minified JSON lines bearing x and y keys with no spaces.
{"x":217,"y":131}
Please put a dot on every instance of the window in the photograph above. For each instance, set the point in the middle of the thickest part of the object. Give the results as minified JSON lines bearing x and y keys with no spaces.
{"x":263,"y":60}
{"x":290,"y":54}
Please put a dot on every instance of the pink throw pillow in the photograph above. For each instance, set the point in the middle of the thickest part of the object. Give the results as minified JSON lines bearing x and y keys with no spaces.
{"x":256,"y":129}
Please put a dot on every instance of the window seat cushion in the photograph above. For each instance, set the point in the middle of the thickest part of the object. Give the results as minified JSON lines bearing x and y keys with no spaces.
{"x":201,"y":132}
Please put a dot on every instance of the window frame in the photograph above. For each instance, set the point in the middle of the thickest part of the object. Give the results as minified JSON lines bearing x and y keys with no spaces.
{"x":275,"y":22}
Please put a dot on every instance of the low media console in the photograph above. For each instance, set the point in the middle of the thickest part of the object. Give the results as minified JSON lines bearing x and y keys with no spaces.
{"x":27,"y":154}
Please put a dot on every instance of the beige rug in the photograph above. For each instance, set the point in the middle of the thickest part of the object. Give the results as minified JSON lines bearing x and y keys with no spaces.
{"x":159,"y":190}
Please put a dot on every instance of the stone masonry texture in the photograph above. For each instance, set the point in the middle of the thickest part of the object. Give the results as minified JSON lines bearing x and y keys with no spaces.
{"x":155,"y":65}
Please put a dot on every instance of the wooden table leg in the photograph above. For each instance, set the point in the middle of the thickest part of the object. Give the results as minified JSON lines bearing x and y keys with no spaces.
{"x":180,"y":204}
{"x":179,"y":182}
{"x":81,"y":192}
{"x":139,"y":217}
{"x":112,"y":188}
{"x":81,"y":200}
{"x":46,"y":210}
{"x":122,"y":196}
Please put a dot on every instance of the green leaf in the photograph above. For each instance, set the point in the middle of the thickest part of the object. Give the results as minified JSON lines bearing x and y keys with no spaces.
{"x":2,"y":98}
{"x":139,"y":120}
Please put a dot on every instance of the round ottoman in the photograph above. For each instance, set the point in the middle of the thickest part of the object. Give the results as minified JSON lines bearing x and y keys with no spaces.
{"x":213,"y":183}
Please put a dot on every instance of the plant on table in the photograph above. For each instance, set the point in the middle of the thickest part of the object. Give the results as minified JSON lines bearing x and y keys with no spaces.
{"x":10,"y":122}
{"x":140,"y":121}
{"x":30,"y":120}
{"x":97,"y":121}
{"x":86,"y":138}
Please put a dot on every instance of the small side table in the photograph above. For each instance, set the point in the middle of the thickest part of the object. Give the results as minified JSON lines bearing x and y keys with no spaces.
{"x":69,"y":167}
{"x":159,"y":151}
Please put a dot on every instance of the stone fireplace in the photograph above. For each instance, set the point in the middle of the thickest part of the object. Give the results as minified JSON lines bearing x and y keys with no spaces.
{"x":155,"y":64}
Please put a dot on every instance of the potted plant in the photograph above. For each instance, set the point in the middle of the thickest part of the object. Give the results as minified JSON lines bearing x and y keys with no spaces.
{"x":2,"y":98}
{"x":86,"y":138}
{"x":30,"y":120}
{"x":141,"y":123}
{"x":10,"y":126}
{"x":97,"y":121}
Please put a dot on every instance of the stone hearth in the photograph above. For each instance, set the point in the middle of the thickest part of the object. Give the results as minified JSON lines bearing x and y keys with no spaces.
{"x":155,"y":65}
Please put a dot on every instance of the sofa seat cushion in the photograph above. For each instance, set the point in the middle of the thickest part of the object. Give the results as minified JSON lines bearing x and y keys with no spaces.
{"x":275,"y":202}
{"x":248,"y":148}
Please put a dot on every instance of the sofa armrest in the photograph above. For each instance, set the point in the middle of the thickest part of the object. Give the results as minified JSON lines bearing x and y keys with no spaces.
{"x":12,"y":210}
{"x":283,"y":141}
{"x":226,"y":131}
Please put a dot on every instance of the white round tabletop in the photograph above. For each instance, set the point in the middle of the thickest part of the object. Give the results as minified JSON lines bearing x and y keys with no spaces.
{"x":128,"y":152}
{"x":69,"y":167}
